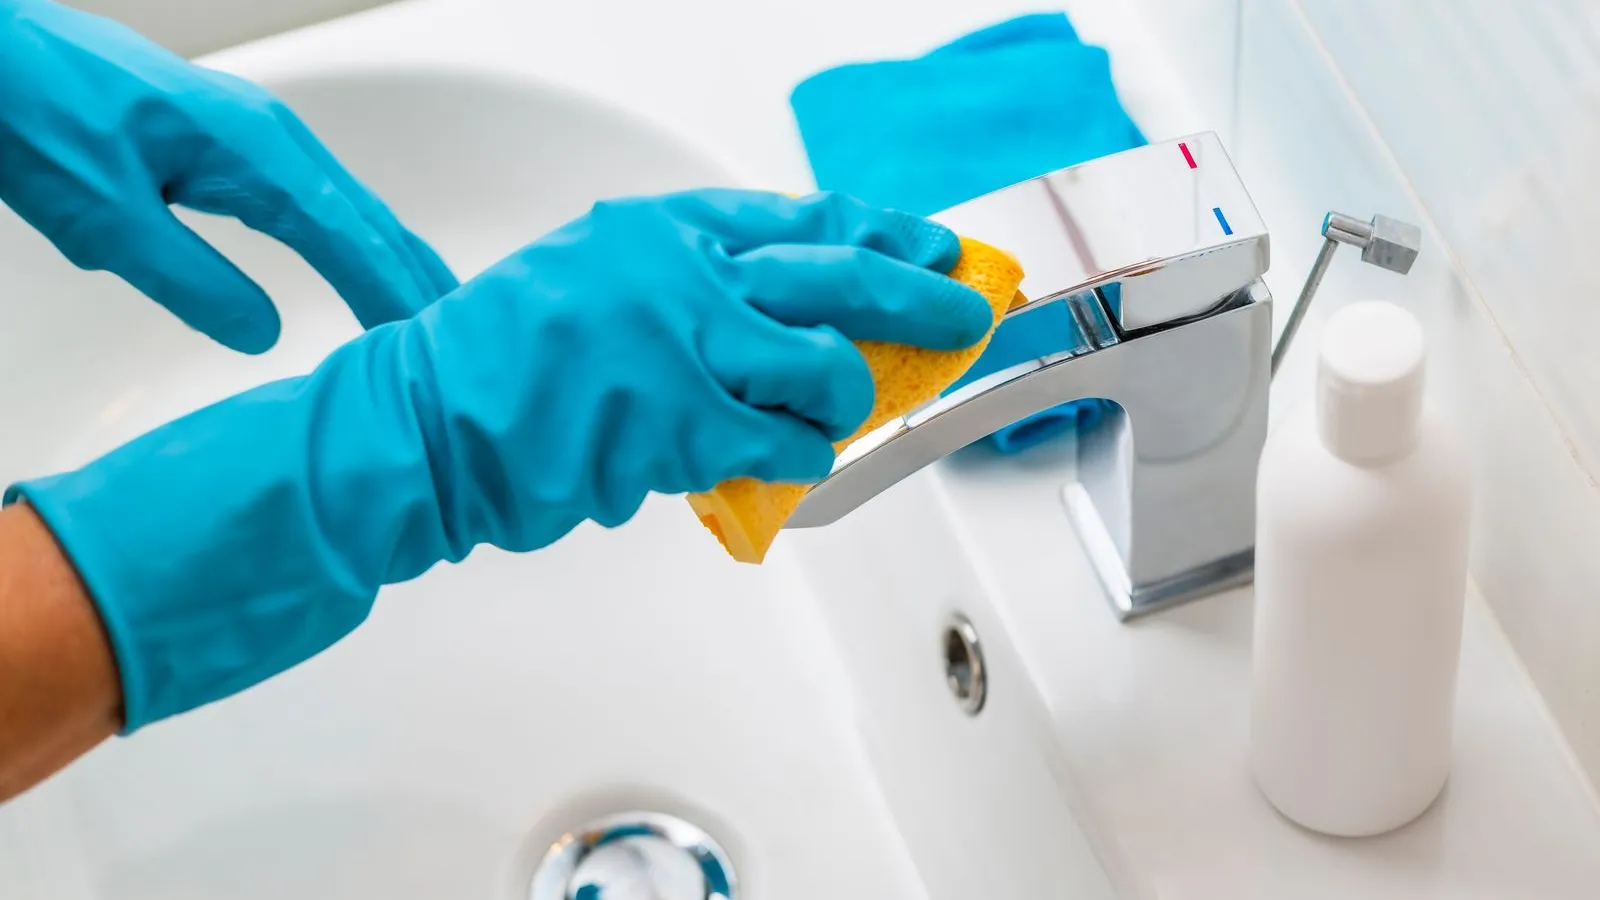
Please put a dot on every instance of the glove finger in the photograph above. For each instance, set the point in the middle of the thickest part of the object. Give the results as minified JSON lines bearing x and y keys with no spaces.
{"x":433,"y":278}
{"x":814,"y":374}
{"x":865,"y":295}
{"x":444,"y":281}
{"x":745,"y":220}
{"x":780,"y":448}
{"x":173,"y":266}
{"x":799,"y":455}
{"x":285,"y":195}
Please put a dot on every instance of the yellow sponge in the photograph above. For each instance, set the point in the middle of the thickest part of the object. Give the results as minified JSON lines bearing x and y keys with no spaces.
{"x":746,"y":515}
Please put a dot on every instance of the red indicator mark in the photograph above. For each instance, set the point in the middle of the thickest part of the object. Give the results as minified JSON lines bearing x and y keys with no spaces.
{"x":1187,"y":156}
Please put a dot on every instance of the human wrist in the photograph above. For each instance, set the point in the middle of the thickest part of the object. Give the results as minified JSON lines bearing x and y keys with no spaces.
{"x":59,"y":693}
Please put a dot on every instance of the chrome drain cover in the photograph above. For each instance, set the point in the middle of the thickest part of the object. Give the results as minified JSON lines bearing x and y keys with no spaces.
{"x":634,"y":856}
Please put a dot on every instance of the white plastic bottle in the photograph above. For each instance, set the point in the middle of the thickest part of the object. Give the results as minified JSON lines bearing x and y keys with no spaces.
{"x":1363,"y":508}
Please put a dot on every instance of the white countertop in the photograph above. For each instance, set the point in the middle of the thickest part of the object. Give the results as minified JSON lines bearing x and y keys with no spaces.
{"x":1149,"y":717}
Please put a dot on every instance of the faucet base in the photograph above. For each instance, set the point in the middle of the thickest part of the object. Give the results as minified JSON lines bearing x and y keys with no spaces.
{"x":1130,"y":601}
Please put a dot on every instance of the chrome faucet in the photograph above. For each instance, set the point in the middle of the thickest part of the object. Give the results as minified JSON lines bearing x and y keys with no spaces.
{"x":1158,"y":253}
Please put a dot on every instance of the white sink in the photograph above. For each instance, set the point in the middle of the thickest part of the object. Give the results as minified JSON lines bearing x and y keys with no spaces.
{"x":486,"y":708}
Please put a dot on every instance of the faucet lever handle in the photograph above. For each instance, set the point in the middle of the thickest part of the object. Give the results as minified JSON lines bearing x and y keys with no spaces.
{"x":1169,"y":223}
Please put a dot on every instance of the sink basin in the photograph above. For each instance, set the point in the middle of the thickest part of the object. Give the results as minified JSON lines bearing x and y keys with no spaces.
{"x":797,"y":712}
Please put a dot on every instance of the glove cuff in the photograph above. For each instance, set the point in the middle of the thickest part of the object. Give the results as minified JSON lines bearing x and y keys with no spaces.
{"x":240,"y":540}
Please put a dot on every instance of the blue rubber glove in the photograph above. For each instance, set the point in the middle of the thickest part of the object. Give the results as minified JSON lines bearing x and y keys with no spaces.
{"x":100,"y":130}
{"x":653,"y":345}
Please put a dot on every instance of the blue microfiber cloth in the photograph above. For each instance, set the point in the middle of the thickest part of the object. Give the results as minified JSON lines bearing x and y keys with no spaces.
{"x":998,"y":106}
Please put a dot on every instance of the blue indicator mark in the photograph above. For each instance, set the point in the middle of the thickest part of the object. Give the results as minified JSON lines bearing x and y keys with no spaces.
{"x":1222,"y":220}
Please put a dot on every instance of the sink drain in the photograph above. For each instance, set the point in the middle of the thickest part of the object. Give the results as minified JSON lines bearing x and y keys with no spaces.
{"x":964,"y":671}
{"x":634,"y":856}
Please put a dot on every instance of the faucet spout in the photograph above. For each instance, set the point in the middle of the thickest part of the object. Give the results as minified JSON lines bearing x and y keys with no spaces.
{"x":1164,"y":500}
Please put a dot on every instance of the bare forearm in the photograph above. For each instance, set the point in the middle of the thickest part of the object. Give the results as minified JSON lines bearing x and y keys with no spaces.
{"x":59,"y":695}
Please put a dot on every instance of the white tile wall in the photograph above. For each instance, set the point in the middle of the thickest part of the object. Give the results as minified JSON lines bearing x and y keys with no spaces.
{"x":1201,"y":38}
{"x":1492,"y":111}
{"x":1355,"y":105}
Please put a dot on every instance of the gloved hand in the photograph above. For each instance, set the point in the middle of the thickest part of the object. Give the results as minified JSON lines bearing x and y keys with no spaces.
{"x":100,"y":130}
{"x":653,"y":345}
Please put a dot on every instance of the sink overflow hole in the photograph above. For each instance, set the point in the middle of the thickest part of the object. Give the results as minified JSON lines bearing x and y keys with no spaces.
{"x":964,"y":670}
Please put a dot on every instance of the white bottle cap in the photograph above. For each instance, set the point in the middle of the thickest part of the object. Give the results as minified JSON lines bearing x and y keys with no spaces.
{"x":1370,"y":381}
